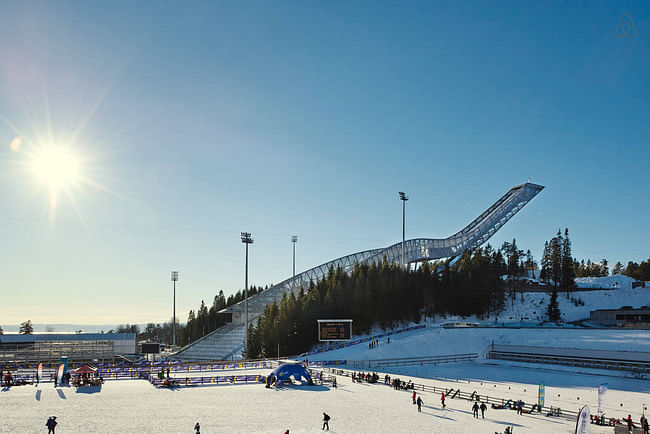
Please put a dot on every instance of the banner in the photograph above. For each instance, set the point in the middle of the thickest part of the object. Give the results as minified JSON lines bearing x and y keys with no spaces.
{"x":541,"y":394}
{"x":59,"y":376}
{"x":584,"y":421}
{"x":39,"y":373}
{"x":602,"y":389}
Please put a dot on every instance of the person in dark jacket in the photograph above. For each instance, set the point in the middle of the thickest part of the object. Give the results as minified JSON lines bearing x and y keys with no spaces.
{"x":483,"y":408}
{"x":197,"y":428}
{"x":644,"y":425}
{"x":51,"y":424}
{"x":326,"y":420}
{"x":420,"y":402}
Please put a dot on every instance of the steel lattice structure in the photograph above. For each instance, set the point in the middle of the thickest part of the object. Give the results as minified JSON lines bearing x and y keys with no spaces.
{"x":415,"y":250}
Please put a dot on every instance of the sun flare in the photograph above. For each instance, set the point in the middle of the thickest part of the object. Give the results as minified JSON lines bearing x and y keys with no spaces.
{"x":56,"y":167}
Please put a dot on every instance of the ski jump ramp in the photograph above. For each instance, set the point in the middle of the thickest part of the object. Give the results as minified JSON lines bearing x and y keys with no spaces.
{"x":221,"y":344}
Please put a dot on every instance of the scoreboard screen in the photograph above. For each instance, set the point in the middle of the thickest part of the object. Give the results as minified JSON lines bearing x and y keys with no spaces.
{"x":334,"y":329}
{"x":150,"y":348}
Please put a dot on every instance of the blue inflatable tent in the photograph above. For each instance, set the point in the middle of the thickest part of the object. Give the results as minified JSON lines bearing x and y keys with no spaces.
{"x":283,"y":373}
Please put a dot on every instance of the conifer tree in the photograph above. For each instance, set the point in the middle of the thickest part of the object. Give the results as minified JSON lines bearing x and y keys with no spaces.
{"x":553,"y":310}
{"x":26,"y":328}
{"x":545,"y":263}
{"x":556,"y":259}
{"x":568,"y":277}
{"x":618,"y":268}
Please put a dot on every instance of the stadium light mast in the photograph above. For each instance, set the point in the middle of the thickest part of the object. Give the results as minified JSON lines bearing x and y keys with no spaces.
{"x":294,"y":238}
{"x":403,"y":197}
{"x":246,"y":239}
{"x":174,"y":279}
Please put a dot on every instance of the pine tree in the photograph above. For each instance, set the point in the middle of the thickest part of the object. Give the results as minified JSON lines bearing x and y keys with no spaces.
{"x":556,"y":259}
{"x":545,"y":272}
{"x":618,"y":268}
{"x":26,"y":328}
{"x":553,"y":310}
{"x":568,"y":277}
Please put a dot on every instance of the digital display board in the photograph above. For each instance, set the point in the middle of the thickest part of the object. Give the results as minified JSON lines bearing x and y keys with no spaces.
{"x":334,"y":329}
{"x":150,"y":348}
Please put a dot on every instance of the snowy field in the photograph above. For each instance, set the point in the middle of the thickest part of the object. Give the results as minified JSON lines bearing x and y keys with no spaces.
{"x":134,"y":406}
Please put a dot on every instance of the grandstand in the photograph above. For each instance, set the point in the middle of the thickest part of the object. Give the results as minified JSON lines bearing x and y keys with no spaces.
{"x":78,"y":347}
{"x":227,"y":342}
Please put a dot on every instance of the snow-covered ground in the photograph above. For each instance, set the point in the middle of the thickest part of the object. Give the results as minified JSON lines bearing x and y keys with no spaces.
{"x":613,"y":281}
{"x":134,"y":406}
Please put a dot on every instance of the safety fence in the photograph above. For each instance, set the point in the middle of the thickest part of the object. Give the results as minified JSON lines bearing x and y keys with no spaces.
{"x":215,"y":380}
{"x":360,"y":341}
{"x":127,"y":373}
{"x":411,"y":361}
{"x":613,"y":360}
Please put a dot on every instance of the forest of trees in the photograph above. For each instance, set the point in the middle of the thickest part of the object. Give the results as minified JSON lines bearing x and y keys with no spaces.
{"x":385,"y":294}
{"x":637,"y":271}
{"x":381,"y":294}
{"x":557,"y":264}
{"x":205,"y":319}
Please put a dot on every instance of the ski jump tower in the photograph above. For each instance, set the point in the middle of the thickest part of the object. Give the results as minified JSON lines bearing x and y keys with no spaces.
{"x":227,"y":341}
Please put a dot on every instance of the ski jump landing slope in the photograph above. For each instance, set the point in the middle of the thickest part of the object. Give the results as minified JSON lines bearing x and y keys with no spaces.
{"x":222,"y":344}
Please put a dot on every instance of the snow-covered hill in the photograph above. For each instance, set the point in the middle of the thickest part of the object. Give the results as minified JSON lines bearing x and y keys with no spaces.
{"x":613,"y":281}
{"x":532,"y":307}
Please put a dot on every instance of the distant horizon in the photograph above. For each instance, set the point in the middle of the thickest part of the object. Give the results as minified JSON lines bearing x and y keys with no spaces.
{"x":71,"y":328}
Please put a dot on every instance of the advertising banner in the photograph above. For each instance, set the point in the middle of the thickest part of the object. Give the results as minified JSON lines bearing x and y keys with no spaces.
{"x":583,"y":423}
{"x":602,"y":389}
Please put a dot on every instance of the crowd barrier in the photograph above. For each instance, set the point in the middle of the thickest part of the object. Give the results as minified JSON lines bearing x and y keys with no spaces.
{"x":195,"y":381}
{"x":360,"y":341}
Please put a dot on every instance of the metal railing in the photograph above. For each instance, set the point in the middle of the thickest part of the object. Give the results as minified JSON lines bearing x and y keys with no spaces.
{"x":412,"y":361}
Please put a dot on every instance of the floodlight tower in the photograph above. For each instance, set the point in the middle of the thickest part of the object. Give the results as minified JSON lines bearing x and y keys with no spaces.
{"x":294,"y":238}
{"x":403,"y":198}
{"x":246,"y":239}
{"x":174,"y":279}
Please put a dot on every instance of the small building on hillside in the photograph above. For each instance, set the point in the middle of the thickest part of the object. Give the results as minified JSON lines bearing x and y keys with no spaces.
{"x":626,"y":316}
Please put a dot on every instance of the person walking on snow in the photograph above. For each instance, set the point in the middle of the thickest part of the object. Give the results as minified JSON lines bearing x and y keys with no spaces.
{"x":483,"y":408}
{"x":475,"y":409}
{"x":442,"y":399}
{"x":51,"y":424}
{"x":420,"y":402}
{"x":326,"y":420}
{"x":414,"y":396}
{"x":197,"y":428}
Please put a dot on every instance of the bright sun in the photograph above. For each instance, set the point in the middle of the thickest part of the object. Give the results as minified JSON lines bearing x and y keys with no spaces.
{"x":55,"y":167}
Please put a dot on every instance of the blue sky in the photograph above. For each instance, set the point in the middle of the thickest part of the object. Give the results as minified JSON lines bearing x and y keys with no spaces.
{"x":196,"y":121}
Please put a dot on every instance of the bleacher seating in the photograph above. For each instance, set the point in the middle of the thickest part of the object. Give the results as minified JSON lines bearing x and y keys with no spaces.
{"x":222,"y":344}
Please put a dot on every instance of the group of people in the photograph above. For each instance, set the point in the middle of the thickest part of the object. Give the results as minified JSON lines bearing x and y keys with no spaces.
{"x":402,"y":385}
{"x":7,"y":379}
{"x":476,"y":408}
{"x":360,"y":377}
{"x":643,"y":423}
{"x":417,"y":400}
{"x":65,"y":379}
{"x":88,"y":380}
